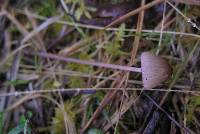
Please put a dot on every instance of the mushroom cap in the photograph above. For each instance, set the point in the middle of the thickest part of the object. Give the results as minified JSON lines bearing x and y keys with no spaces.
{"x":155,"y":70}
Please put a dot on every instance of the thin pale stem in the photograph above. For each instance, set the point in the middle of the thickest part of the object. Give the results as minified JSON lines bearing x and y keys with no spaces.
{"x":99,"y":64}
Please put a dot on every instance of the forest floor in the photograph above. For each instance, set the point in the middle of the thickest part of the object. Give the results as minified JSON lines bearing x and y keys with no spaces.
{"x":100,"y":66}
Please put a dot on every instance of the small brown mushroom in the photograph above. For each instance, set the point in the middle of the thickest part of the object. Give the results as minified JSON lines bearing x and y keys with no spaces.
{"x":155,"y":69}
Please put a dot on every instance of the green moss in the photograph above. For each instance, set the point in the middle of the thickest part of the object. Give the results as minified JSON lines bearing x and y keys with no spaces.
{"x":58,"y":123}
{"x":194,"y":102}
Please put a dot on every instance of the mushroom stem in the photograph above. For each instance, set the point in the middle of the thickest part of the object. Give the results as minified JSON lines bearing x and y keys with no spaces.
{"x":99,"y":64}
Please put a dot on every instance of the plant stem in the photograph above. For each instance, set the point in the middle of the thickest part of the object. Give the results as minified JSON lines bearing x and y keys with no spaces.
{"x":73,"y":60}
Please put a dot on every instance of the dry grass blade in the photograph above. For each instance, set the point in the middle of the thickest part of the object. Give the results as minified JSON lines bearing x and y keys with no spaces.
{"x":22,"y":100}
{"x":180,"y":70}
{"x":41,"y":27}
{"x":120,"y":19}
{"x":169,"y":116}
{"x":138,"y":32}
{"x":74,"y":47}
{"x":112,"y":29}
{"x":185,"y":17}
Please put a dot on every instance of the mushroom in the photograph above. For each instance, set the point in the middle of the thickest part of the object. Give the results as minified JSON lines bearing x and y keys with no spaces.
{"x":154,"y":69}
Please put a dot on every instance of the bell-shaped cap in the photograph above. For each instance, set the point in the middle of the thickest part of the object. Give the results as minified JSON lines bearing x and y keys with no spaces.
{"x":155,"y":70}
